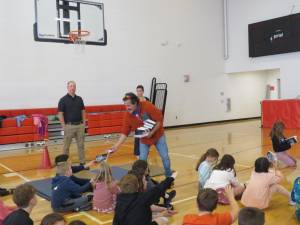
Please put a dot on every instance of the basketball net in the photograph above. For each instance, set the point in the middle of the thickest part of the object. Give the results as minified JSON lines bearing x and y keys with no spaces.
{"x":78,"y":38}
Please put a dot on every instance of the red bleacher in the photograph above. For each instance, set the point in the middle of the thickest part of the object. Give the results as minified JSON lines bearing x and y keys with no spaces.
{"x":102,"y":119}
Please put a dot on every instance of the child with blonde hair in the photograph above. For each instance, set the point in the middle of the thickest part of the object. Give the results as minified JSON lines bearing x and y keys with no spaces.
{"x":106,"y":190}
{"x":205,"y":165}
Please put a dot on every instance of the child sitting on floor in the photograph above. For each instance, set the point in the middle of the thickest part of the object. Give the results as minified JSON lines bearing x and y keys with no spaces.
{"x":224,"y":174}
{"x":205,"y":165}
{"x":207,"y":201}
{"x":134,"y":207}
{"x":281,"y":145}
{"x":251,"y":216}
{"x":53,"y":219}
{"x":66,"y":194}
{"x":296,"y":197}
{"x":141,"y":167}
{"x":263,"y":184}
{"x":106,"y":190}
{"x":25,"y":198}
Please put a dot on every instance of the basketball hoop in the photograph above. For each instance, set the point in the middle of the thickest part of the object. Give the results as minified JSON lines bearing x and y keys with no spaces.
{"x":78,"y":38}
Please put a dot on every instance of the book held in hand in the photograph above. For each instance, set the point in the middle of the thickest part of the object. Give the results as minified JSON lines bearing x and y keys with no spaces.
{"x":145,"y":129}
{"x":292,"y":140}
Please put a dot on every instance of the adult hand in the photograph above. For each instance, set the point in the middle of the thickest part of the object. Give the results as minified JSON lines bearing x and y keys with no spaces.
{"x":150,"y":135}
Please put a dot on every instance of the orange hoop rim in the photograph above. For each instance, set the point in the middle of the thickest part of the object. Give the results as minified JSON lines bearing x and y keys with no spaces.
{"x":75,"y":35}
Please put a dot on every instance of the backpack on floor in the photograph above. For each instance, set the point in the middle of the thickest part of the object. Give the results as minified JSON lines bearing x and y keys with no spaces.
{"x":296,"y":196}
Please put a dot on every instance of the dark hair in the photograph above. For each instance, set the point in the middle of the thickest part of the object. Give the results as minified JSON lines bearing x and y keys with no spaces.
{"x":140,"y":87}
{"x":52,"y":218}
{"x":251,"y":216}
{"x":227,"y":163}
{"x":262,"y":165}
{"x":207,"y":199}
{"x":139,"y":176}
{"x":277,"y":129}
{"x":77,"y":222}
{"x":210,"y":152}
{"x":132,"y":97}
{"x":61,"y":158}
{"x":129,"y":184}
{"x":23,"y":195}
{"x":141,"y":166}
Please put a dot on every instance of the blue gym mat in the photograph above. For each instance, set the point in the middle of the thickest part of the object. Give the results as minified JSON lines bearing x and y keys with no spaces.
{"x":43,"y":186}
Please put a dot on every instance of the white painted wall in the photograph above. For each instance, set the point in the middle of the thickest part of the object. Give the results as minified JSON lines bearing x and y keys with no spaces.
{"x":242,"y":13}
{"x":34,"y":74}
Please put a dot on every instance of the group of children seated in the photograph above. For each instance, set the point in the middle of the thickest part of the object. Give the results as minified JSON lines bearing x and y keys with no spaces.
{"x":138,"y":199}
{"x":218,"y":183}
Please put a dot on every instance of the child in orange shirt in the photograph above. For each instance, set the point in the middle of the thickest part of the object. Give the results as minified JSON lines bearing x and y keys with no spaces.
{"x":207,"y":201}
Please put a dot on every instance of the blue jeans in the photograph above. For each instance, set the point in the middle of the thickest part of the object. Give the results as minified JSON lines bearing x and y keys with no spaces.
{"x":162,"y":148}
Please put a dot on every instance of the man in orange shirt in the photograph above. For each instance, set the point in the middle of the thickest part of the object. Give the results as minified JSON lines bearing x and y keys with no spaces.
{"x":207,"y":201}
{"x":137,"y":113}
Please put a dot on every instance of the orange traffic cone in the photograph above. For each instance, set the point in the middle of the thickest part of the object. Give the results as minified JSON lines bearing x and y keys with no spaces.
{"x":46,"y":162}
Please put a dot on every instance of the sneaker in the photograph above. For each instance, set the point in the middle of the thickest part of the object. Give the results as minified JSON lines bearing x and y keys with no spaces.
{"x":292,"y":203}
{"x":271,"y":157}
{"x":90,"y":197}
{"x":172,"y":194}
{"x":169,"y":206}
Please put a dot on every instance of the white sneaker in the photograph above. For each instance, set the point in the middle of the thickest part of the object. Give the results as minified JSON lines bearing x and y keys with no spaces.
{"x":271,"y":157}
{"x":292,"y":203}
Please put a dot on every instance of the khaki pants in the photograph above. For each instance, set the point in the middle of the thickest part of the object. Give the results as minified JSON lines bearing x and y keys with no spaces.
{"x":77,"y":132}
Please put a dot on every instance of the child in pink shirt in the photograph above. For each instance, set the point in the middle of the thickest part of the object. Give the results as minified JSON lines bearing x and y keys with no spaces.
{"x":262,"y":185}
{"x":106,"y":190}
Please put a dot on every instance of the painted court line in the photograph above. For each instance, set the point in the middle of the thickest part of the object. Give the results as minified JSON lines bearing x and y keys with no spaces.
{"x":184,"y":200}
{"x":10,"y":175}
{"x":245,"y":166}
{"x":88,"y":216}
{"x":12,"y":171}
{"x":107,"y":221}
{"x":183,"y":155}
{"x":195,"y":157}
{"x":92,"y":218}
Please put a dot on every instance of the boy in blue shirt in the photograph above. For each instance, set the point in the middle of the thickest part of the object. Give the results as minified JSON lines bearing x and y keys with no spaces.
{"x":66,"y":194}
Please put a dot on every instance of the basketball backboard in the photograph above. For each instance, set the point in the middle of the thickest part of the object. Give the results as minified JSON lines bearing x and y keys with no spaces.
{"x":55,"y":19}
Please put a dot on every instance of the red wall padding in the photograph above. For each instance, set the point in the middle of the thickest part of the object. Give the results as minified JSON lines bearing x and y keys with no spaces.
{"x":28,"y":112}
{"x":104,"y":130}
{"x":105,"y":119}
{"x":287,"y":111}
{"x":11,"y":122}
{"x":17,"y":130}
{"x":20,"y":138}
{"x":104,"y":108}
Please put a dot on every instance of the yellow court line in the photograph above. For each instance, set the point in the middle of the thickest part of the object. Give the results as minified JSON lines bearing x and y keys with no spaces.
{"x":90,"y":217}
{"x":12,"y":171}
{"x":107,"y":221}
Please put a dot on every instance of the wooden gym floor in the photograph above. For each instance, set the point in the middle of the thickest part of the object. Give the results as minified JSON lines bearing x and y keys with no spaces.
{"x":245,"y":140}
